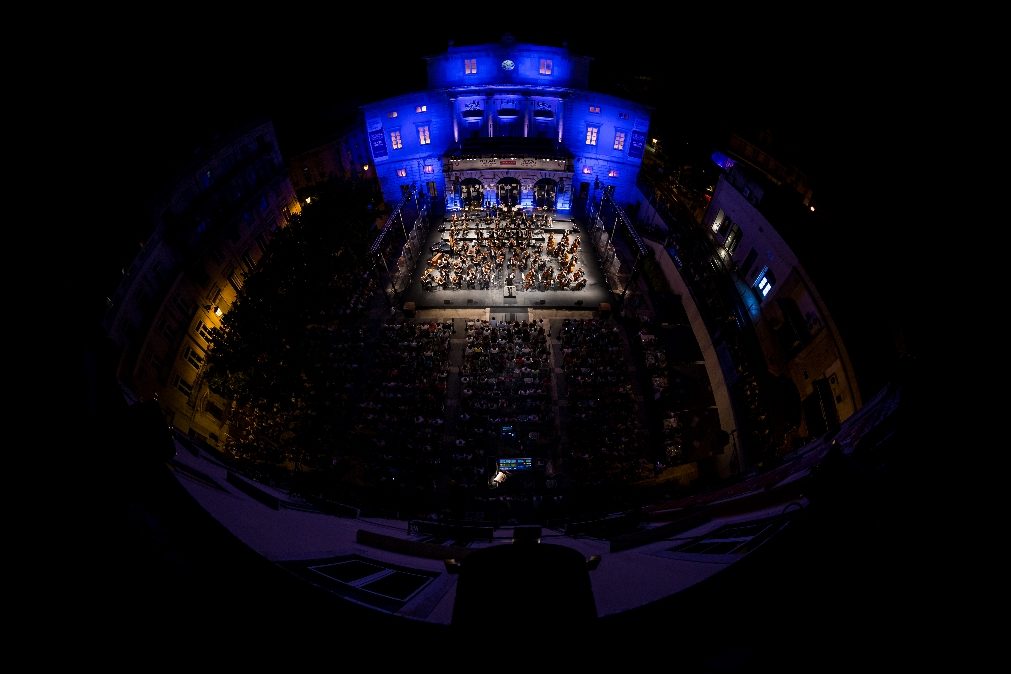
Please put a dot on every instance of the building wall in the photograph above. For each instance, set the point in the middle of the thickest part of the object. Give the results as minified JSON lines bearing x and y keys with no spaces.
{"x":401,"y":121}
{"x":541,"y":96}
{"x":210,"y":231}
{"x":344,"y":157}
{"x":603,"y":161}
{"x":729,"y":461}
{"x":795,"y":328}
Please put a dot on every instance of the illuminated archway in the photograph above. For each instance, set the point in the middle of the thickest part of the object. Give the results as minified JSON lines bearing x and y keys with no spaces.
{"x":508,"y":192}
{"x":471,"y":192}
{"x":545,"y":193}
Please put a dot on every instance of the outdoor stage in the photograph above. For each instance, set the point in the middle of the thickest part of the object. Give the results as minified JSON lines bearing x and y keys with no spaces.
{"x":498,"y":296}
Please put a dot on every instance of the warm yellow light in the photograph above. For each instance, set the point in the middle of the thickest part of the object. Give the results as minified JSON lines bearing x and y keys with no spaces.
{"x":365,"y":167}
{"x":308,"y":200}
{"x":655,"y":141}
{"x":812,"y":209}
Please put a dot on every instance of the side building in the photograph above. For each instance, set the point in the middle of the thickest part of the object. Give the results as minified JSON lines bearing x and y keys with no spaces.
{"x":750,"y":215}
{"x":208,"y":232}
{"x":507,"y":124}
{"x":345,"y":157}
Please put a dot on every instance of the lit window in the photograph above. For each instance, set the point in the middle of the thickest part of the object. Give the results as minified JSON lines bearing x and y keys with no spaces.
{"x":395,"y":140}
{"x":595,"y":108}
{"x":765,"y":281}
{"x":587,"y":170}
{"x":391,"y":114}
{"x":401,"y":172}
{"x":421,"y":108}
{"x":193,"y":358}
{"x":204,"y":331}
{"x":470,"y":66}
{"x":184,"y":386}
{"x":718,"y":222}
{"x":591,"y":135}
{"x":733,"y":236}
{"x":613,"y":173}
{"x":622,"y":115}
{"x":546,"y":66}
{"x":619,"y":140}
{"x":423,"y":137}
{"x":429,"y":168}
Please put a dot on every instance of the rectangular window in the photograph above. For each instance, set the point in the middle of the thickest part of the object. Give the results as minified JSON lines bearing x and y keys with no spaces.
{"x":470,"y":66}
{"x":595,"y":109}
{"x":733,"y":238}
{"x":234,"y":277}
{"x":155,"y":361}
{"x":622,"y":115}
{"x":184,"y":386}
{"x":183,"y":306}
{"x":749,"y":261}
{"x":214,"y":294}
{"x":401,"y":173}
{"x":193,"y":358}
{"x":215,"y":411}
{"x":587,"y":170}
{"x":613,"y":173}
{"x":429,"y":168}
{"x":167,"y":329}
{"x":619,"y":140}
{"x":392,"y":114}
{"x":395,"y":140}
{"x":421,"y":108}
{"x":591,"y":134}
{"x":717,"y":222}
{"x":423,"y":136}
{"x":765,"y":281}
{"x":204,"y":331}
{"x":247,"y":260}
{"x":546,"y":66}
{"x":262,"y":241}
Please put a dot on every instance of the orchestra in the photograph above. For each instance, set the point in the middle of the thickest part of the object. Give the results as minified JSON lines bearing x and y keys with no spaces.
{"x":487,"y":249}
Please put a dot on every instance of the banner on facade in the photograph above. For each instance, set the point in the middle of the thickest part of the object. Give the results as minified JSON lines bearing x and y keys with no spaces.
{"x":377,"y":139}
{"x":638,"y":144}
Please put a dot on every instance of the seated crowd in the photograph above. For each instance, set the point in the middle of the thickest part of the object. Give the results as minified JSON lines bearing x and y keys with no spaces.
{"x":402,"y":408}
{"x":605,"y":434}
{"x":505,"y":386}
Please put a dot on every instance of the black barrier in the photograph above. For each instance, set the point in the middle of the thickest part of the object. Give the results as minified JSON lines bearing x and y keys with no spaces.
{"x":253,"y":491}
{"x":447,"y":530}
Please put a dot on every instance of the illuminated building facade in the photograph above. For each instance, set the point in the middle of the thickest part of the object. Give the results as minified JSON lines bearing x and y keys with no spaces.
{"x":206,"y":235}
{"x":507,"y":124}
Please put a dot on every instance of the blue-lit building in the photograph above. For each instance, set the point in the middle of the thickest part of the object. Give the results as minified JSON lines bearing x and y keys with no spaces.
{"x":507,"y":124}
